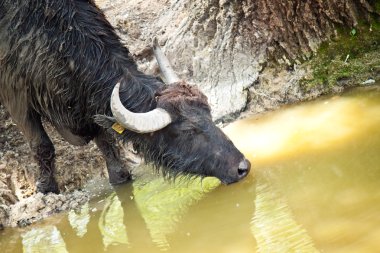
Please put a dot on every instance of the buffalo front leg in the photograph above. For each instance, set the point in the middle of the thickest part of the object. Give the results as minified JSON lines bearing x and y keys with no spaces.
{"x":44,"y":153}
{"x":29,"y":122}
{"x":117,"y":171}
{"x":45,"y":156}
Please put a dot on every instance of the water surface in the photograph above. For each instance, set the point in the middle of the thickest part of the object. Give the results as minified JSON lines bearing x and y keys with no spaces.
{"x":314,"y":188}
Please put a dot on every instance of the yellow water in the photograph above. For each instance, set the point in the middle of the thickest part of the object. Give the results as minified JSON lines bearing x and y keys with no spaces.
{"x":314,"y":188}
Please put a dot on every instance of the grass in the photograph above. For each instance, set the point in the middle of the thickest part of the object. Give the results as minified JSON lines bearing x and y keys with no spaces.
{"x":353,"y":57}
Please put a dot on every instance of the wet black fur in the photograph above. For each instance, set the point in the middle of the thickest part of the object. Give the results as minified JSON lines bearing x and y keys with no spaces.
{"x":60,"y":61}
{"x":69,"y":58}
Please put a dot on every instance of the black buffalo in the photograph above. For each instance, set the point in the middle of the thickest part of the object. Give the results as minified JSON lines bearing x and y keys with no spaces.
{"x":61,"y":61}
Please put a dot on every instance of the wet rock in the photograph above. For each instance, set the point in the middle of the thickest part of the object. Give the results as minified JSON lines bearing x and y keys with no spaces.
{"x":368,"y":82}
{"x":40,"y":206}
{"x":4,"y":210}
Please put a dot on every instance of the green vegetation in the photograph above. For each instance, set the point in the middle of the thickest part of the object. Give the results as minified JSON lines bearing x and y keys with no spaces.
{"x":350,"y":59}
{"x":377,"y":7}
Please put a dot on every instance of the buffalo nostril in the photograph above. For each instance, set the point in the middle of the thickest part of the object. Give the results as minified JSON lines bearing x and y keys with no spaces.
{"x":244,"y":167}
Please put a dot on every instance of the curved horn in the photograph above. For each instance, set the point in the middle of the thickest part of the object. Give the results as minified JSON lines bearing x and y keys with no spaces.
{"x":138,"y":122}
{"x":164,"y":64}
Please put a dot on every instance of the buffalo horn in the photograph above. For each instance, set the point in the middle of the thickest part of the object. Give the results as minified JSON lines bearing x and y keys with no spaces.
{"x":138,"y":122}
{"x":164,"y":64}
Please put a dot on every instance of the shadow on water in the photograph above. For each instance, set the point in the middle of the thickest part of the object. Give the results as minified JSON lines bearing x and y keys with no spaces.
{"x":314,"y":189}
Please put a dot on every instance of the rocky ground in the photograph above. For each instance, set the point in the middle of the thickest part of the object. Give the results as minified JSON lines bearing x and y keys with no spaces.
{"x":227,"y":49}
{"x":210,"y":54}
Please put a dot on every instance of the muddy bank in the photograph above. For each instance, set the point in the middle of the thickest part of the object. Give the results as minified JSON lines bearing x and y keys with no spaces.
{"x":75,"y":166}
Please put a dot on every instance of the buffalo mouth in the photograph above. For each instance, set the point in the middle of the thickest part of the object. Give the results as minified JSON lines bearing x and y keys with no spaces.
{"x":237,"y":174}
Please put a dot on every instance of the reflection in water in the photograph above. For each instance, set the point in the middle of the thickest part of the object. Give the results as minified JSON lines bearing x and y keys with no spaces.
{"x":162,"y":204}
{"x":79,"y":220}
{"x":111,"y":222}
{"x":273,"y":224}
{"x":41,"y":240}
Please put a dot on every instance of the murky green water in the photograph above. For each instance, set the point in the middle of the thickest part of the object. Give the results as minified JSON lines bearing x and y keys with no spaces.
{"x":315,"y":188}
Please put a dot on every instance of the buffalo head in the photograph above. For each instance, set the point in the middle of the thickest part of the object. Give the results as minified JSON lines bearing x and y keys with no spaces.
{"x":179,"y":135}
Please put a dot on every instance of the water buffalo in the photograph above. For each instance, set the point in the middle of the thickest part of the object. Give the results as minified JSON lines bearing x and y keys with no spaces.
{"x":62,"y":61}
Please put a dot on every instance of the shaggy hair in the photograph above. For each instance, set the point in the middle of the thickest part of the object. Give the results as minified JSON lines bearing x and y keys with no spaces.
{"x":62,"y":59}
{"x":70,"y":71}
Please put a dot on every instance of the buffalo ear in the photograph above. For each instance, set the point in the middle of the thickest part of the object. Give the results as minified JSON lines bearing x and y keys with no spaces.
{"x":104,"y":121}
